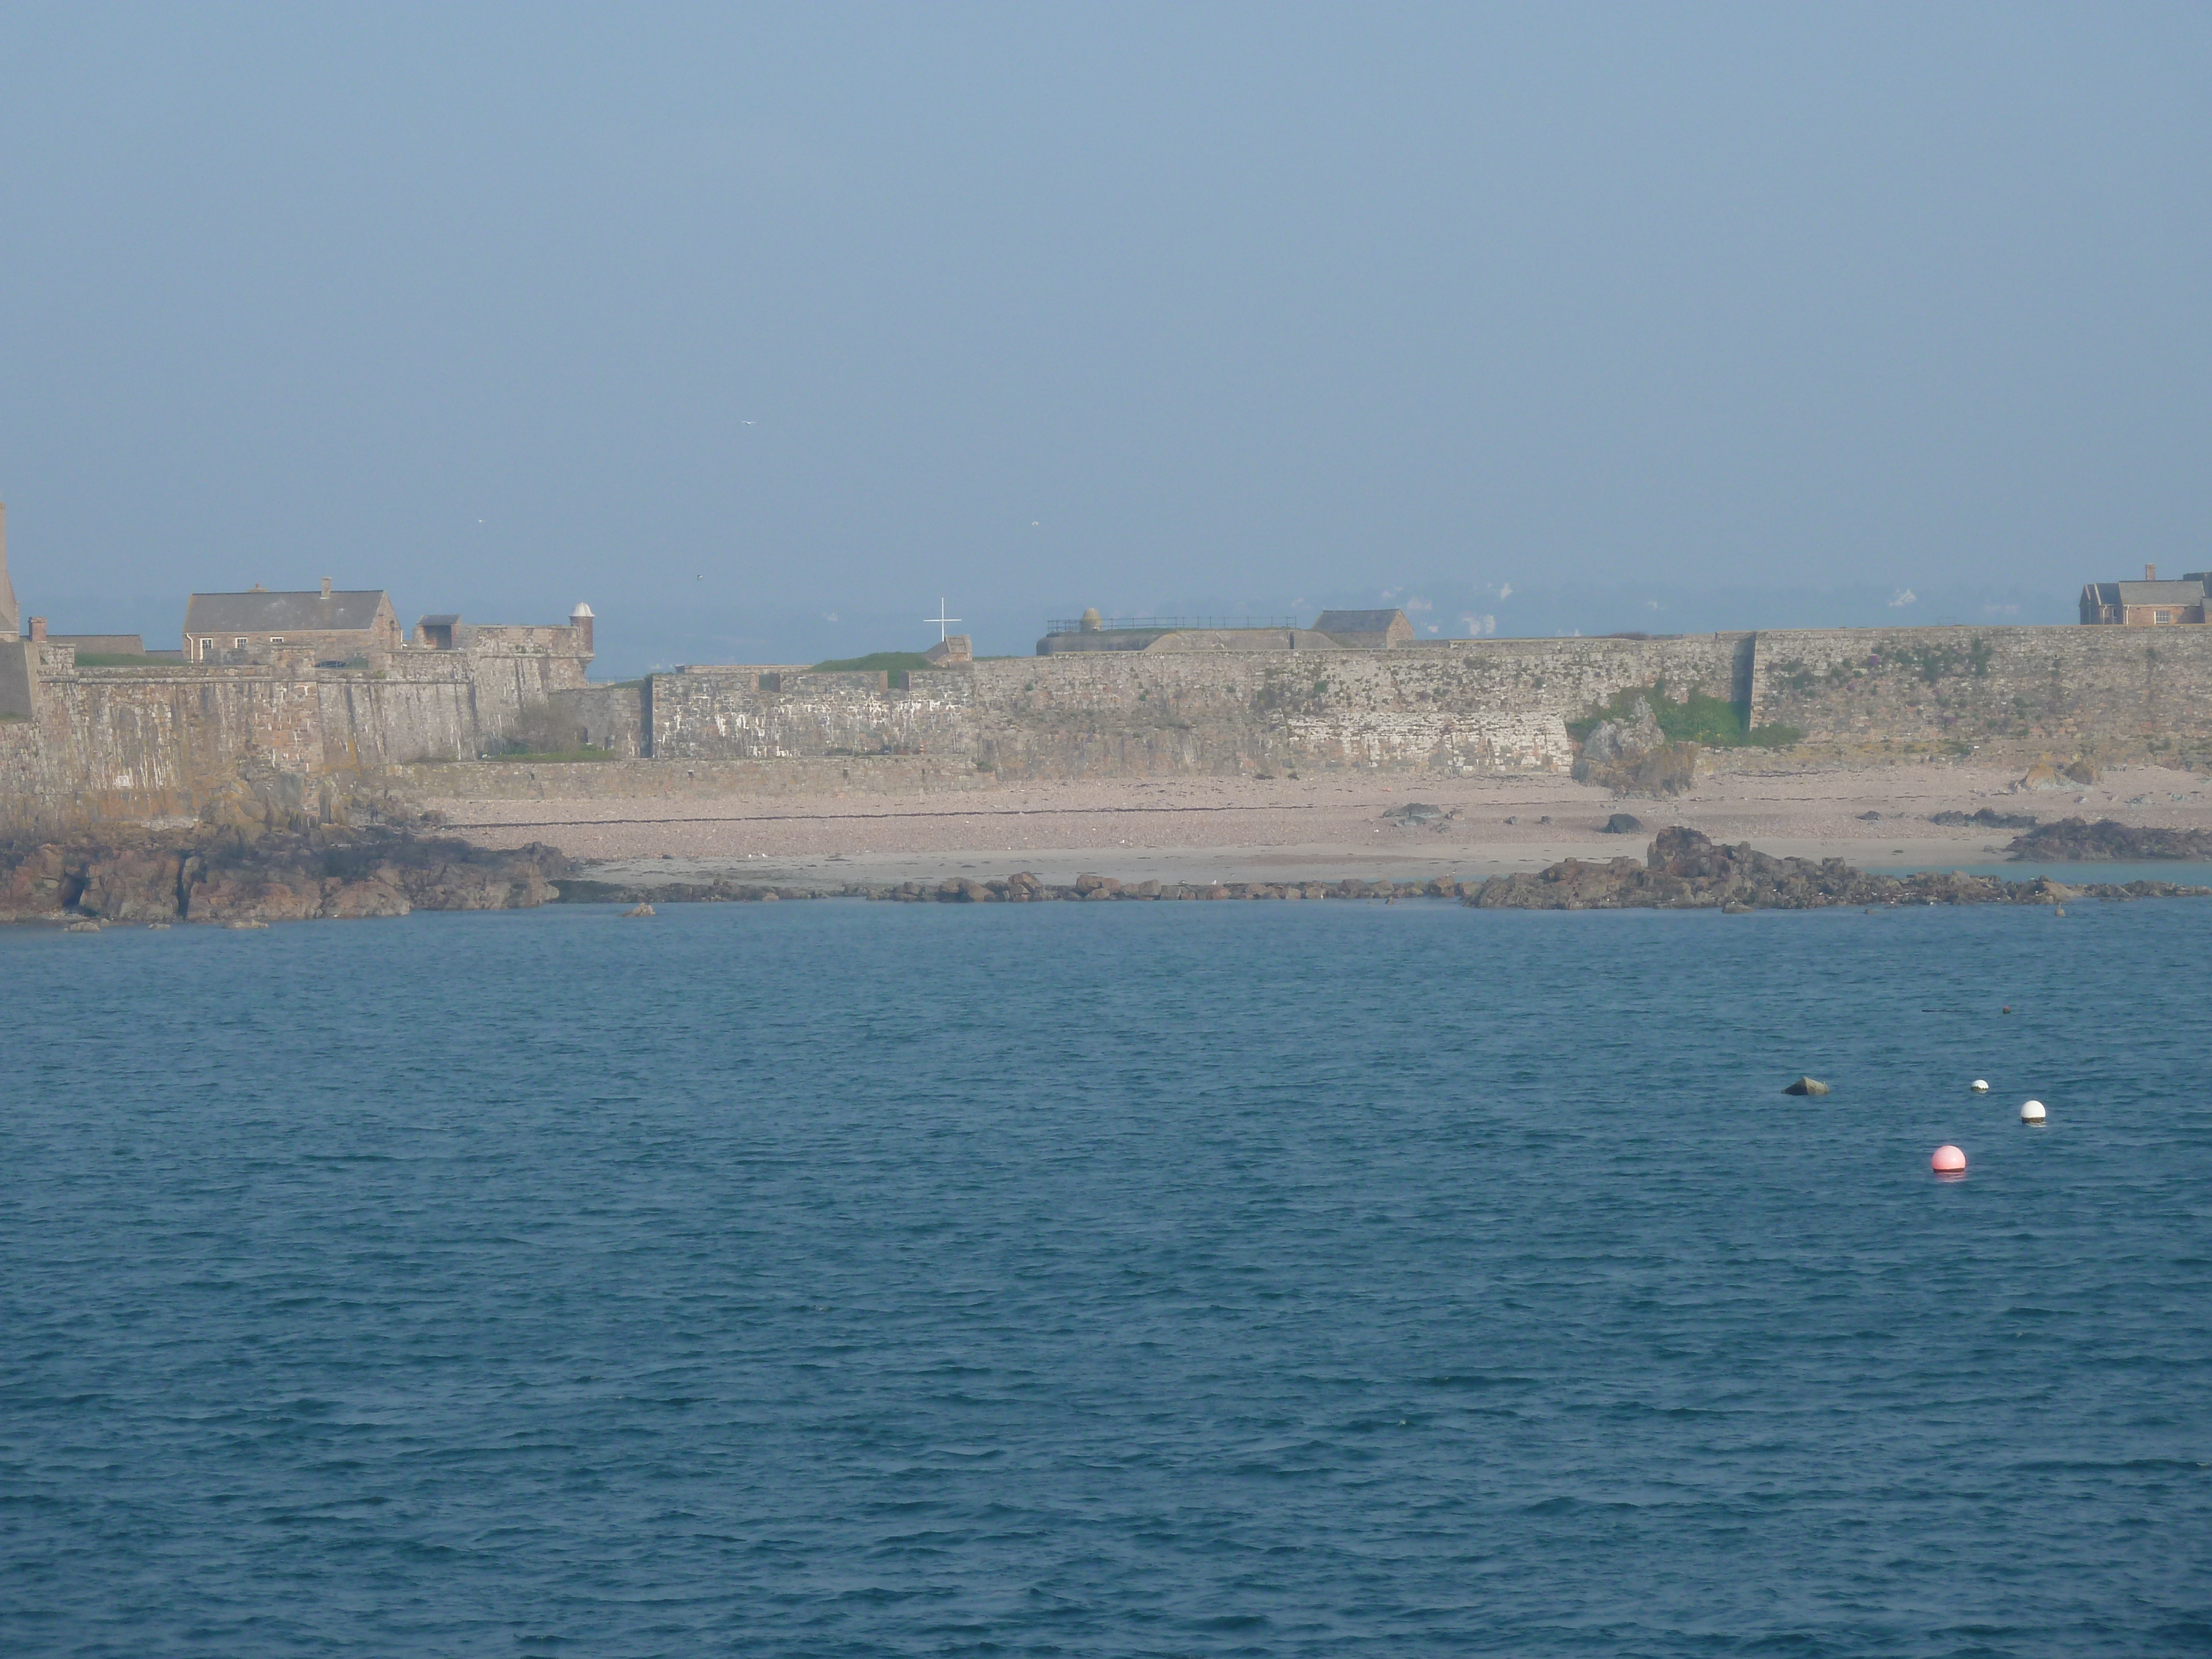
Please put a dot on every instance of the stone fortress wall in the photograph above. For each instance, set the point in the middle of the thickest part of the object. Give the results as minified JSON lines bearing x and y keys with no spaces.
{"x":135,"y":743}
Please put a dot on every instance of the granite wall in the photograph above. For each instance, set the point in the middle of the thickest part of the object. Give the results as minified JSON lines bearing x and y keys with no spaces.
{"x":142,"y":742}
{"x":2099,"y":692}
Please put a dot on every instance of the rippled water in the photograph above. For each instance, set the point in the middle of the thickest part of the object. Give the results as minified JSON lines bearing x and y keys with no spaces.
{"x":1181,"y":1280}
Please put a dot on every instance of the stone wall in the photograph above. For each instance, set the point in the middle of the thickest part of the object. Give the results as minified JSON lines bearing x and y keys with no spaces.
{"x":2103,"y":693}
{"x":685,"y":781}
{"x":136,"y":743}
{"x":1491,"y":705}
{"x":714,"y":715}
{"x":17,"y":676}
{"x":149,"y":742}
{"x":609,"y":717}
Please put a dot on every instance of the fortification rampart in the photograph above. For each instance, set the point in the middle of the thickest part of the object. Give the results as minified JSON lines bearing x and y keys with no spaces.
{"x":137,"y":742}
{"x":2105,"y":693}
{"x":140,"y":743}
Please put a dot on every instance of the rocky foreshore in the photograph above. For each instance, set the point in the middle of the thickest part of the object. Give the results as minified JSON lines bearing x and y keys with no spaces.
{"x":1686,"y":870}
{"x":222,"y":875}
{"x":2107,"y":840}
{"x":1683,"y":870}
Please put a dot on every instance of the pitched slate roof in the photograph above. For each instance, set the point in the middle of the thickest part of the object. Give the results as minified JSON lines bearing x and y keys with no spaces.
{"x":282,"y":613}
{"x":2184,"y":592}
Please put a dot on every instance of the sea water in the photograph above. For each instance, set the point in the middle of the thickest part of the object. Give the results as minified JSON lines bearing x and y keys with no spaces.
{"x":845,"y":1279}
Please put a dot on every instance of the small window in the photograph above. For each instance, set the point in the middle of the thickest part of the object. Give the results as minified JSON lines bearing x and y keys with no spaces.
{"x":276,"y":639}
{"x":238,"y":645}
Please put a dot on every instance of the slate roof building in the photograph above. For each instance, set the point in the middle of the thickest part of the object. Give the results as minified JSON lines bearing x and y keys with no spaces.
{"x":336,"y":625}
{"x":2147,"y":604}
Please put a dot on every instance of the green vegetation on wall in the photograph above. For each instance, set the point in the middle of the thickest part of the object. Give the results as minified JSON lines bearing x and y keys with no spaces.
{"x":1713,"y":721}
{"x":876,"y":662}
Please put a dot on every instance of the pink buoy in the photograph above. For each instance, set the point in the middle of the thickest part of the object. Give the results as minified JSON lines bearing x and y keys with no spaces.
{"x":1949,"y":1160}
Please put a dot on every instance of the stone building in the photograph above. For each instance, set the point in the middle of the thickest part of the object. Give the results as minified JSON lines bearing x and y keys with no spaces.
{"x":337,"y":626}
{"x":2149,"y":603}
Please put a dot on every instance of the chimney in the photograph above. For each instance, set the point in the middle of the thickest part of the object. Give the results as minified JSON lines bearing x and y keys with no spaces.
{"x":2150,"y":573}
{"x":37,"y":630}
{"x":579,"y":625}
{"x":326,"y":588}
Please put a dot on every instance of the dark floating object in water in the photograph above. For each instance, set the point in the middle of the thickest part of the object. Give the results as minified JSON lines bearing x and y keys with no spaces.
{"x":1807,"y":1085}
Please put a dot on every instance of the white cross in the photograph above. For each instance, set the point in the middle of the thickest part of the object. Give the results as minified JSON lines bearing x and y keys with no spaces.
{"x":940,"y":619}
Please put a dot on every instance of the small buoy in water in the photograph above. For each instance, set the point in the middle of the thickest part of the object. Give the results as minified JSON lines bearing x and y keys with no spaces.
{"x":1980,"y":1085}
{"x":2007,"y":1008}
{"x":1949,"y":1160}
{"x":2030,"y":1111}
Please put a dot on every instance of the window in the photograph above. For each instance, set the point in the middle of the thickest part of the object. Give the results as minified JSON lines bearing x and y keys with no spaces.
{"x":2161,"y":616}
{"x":238,"y":645}
{"x":276,"y":639}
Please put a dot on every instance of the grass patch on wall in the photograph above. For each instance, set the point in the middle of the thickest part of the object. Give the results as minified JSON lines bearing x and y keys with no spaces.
{"x":876,"y":662}
{"x":1713,"y":721}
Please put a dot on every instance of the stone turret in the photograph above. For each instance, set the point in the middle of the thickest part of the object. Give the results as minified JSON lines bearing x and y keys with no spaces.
{"x":579,"y":625}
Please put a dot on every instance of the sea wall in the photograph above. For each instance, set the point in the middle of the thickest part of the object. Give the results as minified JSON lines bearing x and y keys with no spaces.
{"x":151,"y":742}
{"x":136,"y":743}
{"x":677,"y":781}
{"x":2103,"y":693}
{"x":1492,"y":705}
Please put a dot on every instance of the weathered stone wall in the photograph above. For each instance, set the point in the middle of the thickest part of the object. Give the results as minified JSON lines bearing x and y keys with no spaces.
{"x":713,"y":715}
{"x":686,"y":780}
{"x":1490,"y":705}
{"x":17,"y":676}
{"x":139,"y":742}
{"x":609,"y":717}
{"x":2104,"y":693}
{"x":110,"y":742}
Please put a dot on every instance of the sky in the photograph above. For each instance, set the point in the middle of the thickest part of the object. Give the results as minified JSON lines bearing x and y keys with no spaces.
{"x":763,"y":328}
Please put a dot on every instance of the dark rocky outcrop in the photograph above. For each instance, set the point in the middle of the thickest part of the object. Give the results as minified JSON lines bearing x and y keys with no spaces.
{"x":221,"y":875}
{"x":2077,"y":840}
{"x":1622,"y":823}
{"x":1984,"y":818}
{"x":1686,"y":870}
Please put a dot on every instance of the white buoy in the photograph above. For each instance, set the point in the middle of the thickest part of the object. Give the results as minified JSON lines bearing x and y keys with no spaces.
{"x":1980,"y":1085}
{"x":2031,"y":1112}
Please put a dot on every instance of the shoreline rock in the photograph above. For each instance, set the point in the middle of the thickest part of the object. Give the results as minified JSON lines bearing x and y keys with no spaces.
{"x":1687,"y":870}
{"x":2078,"y":841}
{"x":222,"y":876}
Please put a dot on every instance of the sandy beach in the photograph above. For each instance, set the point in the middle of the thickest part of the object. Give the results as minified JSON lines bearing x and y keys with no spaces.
{"x":1190,"y":829}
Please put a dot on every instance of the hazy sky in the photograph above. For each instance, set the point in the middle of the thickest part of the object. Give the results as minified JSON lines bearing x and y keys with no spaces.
{"x":761,"y":328}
